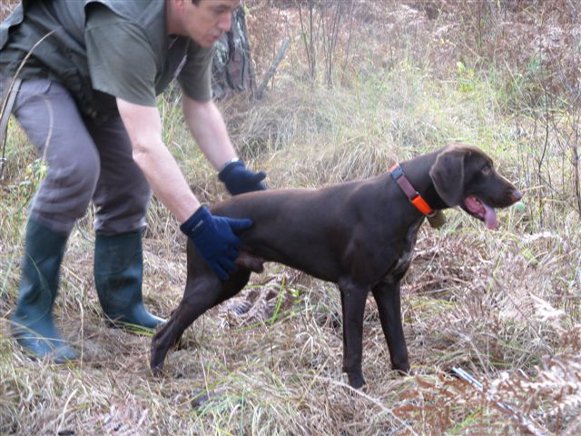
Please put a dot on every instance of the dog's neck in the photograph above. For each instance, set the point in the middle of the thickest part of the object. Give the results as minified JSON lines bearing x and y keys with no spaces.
{"x":417,"y":171}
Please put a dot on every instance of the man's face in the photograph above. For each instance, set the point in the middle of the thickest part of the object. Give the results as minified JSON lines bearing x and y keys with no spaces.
{"x":207,"y":21}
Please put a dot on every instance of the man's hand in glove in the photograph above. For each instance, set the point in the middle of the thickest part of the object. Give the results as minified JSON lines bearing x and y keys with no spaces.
{"x":239,"y":179}
{"x":215,"y":239}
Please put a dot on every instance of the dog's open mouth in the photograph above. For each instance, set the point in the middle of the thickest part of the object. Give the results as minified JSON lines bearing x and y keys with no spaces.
{"x":482,"y":211}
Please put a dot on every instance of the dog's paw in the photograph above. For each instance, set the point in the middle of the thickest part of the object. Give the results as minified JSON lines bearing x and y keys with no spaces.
{"x":356,"y":380}
{"x":156,"y":365}
{"x":157,"y":371}
{"x":402,"y":370}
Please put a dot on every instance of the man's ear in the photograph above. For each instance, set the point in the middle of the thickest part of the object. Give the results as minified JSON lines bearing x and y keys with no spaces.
{"x":447,"y":173}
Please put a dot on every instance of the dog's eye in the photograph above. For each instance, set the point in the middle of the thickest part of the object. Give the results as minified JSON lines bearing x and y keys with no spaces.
{"x":487,"y":169}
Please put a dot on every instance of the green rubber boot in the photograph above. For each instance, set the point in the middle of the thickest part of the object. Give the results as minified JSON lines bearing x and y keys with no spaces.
{"x":32,"y":322}
{"x":118,"y":272}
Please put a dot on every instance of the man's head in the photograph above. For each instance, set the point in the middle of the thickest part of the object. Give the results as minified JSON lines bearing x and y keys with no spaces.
{"x":202,"y":20}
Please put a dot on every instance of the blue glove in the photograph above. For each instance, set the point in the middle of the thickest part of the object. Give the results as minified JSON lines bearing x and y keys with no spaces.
{"x":239,"y":179}
{"x":215,"y":239}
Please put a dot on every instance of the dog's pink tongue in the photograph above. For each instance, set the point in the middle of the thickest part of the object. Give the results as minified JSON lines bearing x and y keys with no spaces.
{"x":490,"y":217}
{"x":483,"y":211}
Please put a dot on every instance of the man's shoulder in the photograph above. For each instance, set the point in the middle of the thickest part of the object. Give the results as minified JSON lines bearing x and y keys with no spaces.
{"x":141,"y":12}
{"x":141,"y":19}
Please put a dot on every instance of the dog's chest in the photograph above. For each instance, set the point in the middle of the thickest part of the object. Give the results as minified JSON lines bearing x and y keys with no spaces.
{"x":404,"y":257}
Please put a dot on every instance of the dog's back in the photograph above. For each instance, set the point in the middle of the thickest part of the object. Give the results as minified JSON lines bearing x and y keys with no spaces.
{"x":314,"y":227}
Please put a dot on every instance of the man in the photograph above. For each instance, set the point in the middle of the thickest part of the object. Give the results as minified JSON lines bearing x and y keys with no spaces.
{"x":87,"y":73}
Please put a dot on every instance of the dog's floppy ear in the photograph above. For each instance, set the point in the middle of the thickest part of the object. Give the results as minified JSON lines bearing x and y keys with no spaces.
{"x":447,"y":173}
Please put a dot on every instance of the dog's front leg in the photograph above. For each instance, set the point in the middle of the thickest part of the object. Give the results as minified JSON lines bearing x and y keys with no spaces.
{"x":353,"y":297}
{"x":387,"y":296}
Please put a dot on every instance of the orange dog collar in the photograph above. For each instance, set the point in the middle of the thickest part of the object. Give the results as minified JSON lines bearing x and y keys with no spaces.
{"x":414,"y":196}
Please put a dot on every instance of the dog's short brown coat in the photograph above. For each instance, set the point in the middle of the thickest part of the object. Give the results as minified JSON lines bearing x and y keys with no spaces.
{"x":358,"y":234}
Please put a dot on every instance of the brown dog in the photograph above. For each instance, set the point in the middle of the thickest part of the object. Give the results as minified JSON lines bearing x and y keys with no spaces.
{"x":359,"y":235}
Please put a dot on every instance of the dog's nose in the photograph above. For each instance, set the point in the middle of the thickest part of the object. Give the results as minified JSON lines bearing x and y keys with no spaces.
{"x":515,"y":196}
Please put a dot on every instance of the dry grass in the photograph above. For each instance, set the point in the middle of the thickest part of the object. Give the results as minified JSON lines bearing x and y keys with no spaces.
{"x":502,"y":306}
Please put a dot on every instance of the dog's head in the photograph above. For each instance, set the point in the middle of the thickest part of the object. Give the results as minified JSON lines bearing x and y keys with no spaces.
{"x":465,"y":176}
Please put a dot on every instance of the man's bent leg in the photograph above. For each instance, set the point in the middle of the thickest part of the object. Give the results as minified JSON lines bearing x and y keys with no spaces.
{"x":121,"y":200}
{"x":52,"y":122}
{"x":118,"y":278}
{"x":50,"y":118}
{"x":32,"y":322}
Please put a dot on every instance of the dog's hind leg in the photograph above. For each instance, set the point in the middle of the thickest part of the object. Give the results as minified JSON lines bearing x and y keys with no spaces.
{"x":353,"y":297}
{"x":387,"y":296}
{"x":201,"y":294}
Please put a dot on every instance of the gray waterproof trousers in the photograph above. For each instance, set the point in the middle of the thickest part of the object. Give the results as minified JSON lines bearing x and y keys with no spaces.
{"x":86,"y":162}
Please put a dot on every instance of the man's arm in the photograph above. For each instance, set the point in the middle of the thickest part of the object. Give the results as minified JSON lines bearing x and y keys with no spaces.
{"x":209,"y":130}
{"x":143,"y":124}
{"x":214,"y":236}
